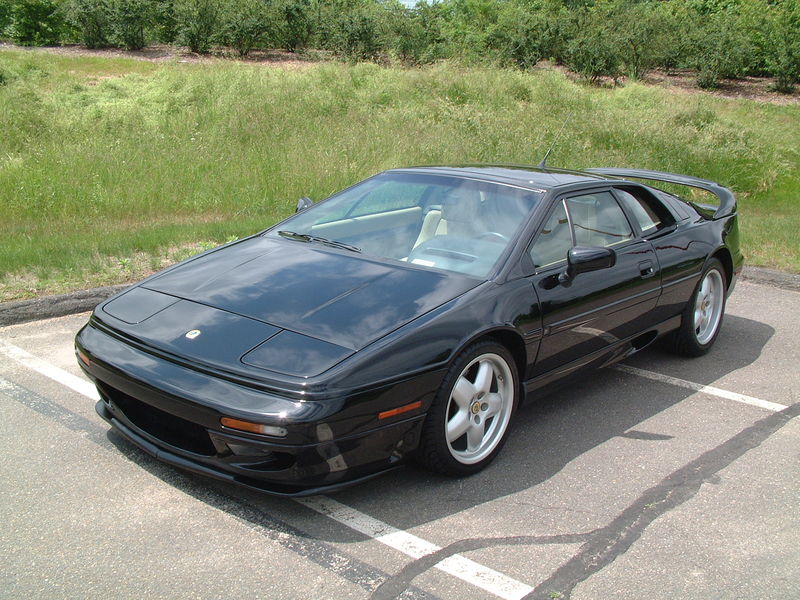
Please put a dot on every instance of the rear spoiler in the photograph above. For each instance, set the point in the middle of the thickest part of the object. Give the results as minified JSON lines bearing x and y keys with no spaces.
{"x":727,"y":201}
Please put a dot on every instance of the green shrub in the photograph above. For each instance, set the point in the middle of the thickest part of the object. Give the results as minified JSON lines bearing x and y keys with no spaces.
{"x":592,"y":52}
{"x":595,"y":38}
{"x":782,"y":51}
{"x":417,"y":34}
{"x":412,"y":35}
{"x":645,"y":35}
{"x":165,"y":27}
{"x":468,"y":27}
{"x":408,"y":39}
{"x":130,"y":20}
{"x":524,"y":37}
{"x":721,"y":49}
{"x":5,"y":17}
{"x":517,"y":37}
{"x":357,"y":36}
{"x":246,"y":24}
{"x":754,"y":20}
{"x":295,"y":24}
{"x":35,"y":22}
{"x":557,"y":29}
{"x":197,"y":23}
{"x":90,"y":18}
{"x":354,"y":32}
{"x":678,"y":40}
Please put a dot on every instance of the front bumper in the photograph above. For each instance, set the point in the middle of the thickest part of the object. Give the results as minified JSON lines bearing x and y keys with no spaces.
{"x":217,"y":469}
{"x":173,"y":413}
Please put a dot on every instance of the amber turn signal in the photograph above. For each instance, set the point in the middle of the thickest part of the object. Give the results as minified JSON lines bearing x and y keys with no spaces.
{"x":251,"y":427}
{"x":400,"y":410}
{"x":84,"y":359}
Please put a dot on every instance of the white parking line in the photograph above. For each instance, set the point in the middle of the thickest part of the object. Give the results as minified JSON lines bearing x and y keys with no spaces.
{"x":706,"y":389}
{"x":456,"y":565}
{"x":63,"y":377}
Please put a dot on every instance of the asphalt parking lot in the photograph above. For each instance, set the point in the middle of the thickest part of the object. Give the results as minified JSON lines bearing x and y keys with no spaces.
{"x":661,"y":478}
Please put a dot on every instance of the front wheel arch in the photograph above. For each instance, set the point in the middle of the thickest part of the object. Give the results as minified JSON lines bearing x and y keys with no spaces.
{"x":511,"y":340}
{"x":471,"y":415}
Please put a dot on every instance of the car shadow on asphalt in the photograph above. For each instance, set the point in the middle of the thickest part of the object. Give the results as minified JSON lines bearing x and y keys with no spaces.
{"x":548,"y":434}
{"x":739,"y":345}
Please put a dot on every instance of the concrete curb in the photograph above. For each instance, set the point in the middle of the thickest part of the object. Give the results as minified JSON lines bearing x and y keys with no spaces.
{"x":786,"y":281}
{"x":48,"y":307}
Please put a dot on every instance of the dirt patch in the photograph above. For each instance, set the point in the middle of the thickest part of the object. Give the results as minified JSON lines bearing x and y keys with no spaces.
{"x":749,"y":88}
{"x":685,"y":81}
{"x":164,"y":53}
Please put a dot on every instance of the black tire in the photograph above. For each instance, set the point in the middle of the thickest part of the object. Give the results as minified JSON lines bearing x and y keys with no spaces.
{"x":696,"y":338}
{"x":484,"y":404}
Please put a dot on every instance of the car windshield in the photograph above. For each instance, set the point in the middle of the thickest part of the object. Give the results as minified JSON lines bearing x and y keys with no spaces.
{"x":434,"y":221}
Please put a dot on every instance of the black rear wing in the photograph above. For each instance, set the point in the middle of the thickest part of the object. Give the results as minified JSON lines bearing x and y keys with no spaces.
{"x":727,"y":201}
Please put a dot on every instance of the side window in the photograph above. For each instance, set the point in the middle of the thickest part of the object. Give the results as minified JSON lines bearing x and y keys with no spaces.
{"x":553,"y":241}
{"x":597,"y":220}
{"x":644,"y":213}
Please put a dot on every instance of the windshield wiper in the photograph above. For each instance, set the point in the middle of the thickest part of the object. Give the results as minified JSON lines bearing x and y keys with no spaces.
{"x":304,"y":237}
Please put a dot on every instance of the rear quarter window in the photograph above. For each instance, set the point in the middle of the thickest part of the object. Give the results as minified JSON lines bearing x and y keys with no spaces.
{"x":647,"y":211}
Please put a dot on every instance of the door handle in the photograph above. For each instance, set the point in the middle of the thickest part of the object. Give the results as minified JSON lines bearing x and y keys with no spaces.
{"x":646,"y":269}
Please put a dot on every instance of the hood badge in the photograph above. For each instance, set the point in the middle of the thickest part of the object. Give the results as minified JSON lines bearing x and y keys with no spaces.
{"x":194,"y":333}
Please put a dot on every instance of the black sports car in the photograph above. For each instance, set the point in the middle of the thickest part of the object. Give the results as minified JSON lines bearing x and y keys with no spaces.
{"x":406,"y":316}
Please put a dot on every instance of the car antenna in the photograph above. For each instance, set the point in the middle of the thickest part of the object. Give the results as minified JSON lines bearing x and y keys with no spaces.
{"x":543,"y":164}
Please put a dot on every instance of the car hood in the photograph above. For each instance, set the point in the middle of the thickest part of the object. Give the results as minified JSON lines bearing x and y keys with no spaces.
{"x":306,"y":303}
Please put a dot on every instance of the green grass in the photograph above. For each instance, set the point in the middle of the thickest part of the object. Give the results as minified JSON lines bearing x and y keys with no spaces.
{"x":107,"y":163}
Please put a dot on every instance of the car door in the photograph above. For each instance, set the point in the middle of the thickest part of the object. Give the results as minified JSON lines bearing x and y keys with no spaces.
{"x":587,"y":317}
{"x":681,"y":252}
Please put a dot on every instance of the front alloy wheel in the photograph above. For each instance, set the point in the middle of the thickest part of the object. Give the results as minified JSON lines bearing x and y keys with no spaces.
{"x":470,"y":417}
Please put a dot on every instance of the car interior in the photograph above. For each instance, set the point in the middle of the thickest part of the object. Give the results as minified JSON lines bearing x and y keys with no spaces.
{"x":448,"y":223}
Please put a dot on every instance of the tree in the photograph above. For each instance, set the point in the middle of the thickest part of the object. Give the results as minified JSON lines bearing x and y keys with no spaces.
{"x":783,"y":46}
{"x":246,"y":24}
{"x":35,"y":22}
{"x":197,"y":23}
{"x":129,"y":21}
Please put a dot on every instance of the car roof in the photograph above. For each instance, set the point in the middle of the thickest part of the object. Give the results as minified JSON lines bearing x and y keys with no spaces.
{"x":519,"y":175}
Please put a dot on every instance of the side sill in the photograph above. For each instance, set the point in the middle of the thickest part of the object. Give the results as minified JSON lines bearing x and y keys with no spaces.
{"x":604,"y":357}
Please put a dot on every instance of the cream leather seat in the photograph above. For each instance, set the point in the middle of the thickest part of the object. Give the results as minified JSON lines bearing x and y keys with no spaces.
{"x":458,"y":215}
{"x":432,"y":225}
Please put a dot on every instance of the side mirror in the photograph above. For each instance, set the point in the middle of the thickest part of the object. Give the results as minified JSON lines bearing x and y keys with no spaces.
{"x":303,"y":204}
{"x":583,"y":259}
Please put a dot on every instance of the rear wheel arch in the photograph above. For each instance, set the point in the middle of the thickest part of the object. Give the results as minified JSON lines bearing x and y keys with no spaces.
{"x":723,"y":255}
{"x":701,"y":318}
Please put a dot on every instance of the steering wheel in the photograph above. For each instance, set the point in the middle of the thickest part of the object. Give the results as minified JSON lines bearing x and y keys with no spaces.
{"x":495,"y":235}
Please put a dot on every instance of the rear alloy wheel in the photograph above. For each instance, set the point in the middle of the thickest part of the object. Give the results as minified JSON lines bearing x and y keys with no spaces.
{"x":470,"y":417}
{"x":702,"y":317}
